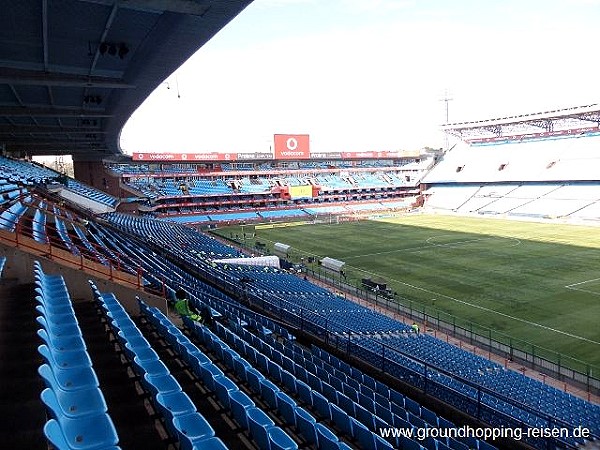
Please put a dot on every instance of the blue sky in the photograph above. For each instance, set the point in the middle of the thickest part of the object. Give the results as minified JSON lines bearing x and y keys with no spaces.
{"x":361,"y":75}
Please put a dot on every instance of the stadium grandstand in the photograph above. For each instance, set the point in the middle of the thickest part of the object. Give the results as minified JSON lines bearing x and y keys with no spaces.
{"x":509,"y":167}
{"x":265,"y":187}
{"x":94,"y":354}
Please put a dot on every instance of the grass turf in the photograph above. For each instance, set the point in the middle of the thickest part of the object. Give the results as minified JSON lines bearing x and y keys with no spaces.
{"x":532,"y":282}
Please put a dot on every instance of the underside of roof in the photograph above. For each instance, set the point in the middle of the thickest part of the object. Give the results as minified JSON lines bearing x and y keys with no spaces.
{"x":73,"y":71}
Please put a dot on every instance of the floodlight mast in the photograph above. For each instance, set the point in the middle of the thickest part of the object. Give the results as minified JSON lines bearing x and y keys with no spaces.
{"x":446,"y":101}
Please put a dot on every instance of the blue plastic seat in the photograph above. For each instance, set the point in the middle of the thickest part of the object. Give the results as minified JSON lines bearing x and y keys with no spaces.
{"x":412,"y":406}
{"x":384,"y":414}
{"x":329,"y":392}
{"x":55,"y":435}
{"x":151,"y":367}
{"x":254,"y":376}
{"x":305,"y":423}
{"x":56,"y":330}
{"x":240,"y":366}
{"x":223,"y":386}
{"x":135,"y":340}
{"x":325,"y":438}
{"x":261,"y":362}
{"x":174,"y":404}
{"x":62,"y":343}
{"x":259,"y":423}
{"x":274,"y":370}
{"x":239,"y":403}
{"x":314,"y":382}
{"x":74,"y":404}
{"x":268,"y":391}
{"x":345,"y":404}
{"x":164,"y":383}
{"x":208,"y":372}
{"x":65,"y":359}
{"x":69,"y":380}
{"x":286,"y":406}
{"x":196,"y":360}
{"x":213,"y":443}
{"x":228,"y":356}
{"x":363,"y":435}
{"x":341,"y":419}
{"x":191,"y":428}
{"x":289,"y":381}
{"x":87,"y":433}
{"x":304,"y":392}
{"x":363,"y":416}
{"x":53,"y":310}
{"x":145,"y":353}
{"x":409,"y":444}
{"x":456,"y":445}
{"x":280,"y":440}
{"x":321,"y":405}
{"x":382,"y":444}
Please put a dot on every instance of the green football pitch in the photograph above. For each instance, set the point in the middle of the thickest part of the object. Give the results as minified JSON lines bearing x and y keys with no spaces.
{"x":536,"y":283}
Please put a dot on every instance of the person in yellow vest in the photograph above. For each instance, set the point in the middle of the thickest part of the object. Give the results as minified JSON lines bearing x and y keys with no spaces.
{"x":415,"y":328}
{"x":182,"y":306}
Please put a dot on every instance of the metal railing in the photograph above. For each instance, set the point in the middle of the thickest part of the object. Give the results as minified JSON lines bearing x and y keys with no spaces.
{"x":19,"y":231}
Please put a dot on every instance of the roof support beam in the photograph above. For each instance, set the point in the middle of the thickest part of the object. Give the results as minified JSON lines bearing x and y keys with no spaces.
{"x":32,"y":111}
{"x":38,"y":78}
{"x":29,"y":129}
{"x":44,"y":143}
{"x":189,"y":7}
{"x":45,"y":32}
{"x":61,"y":150}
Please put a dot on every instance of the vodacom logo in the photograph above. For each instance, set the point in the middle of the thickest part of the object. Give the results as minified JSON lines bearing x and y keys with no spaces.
{"x":291,"y":143}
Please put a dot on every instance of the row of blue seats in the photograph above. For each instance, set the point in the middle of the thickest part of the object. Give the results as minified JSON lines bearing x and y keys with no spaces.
{"x":10,"y":217}
{"x":295,"y":379}
{"x":27,"y":173}
{"x":370,"y":402}
{"x":260,"y":426}
{"x":181,"y":419}
{"x":370,"y":390}
{"x":75,"y":404}
{"x":167,"y":234}
{"x":489,"y":374}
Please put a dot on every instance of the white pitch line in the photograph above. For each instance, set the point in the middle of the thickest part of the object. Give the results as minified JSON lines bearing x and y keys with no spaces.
{"x":587,"y":291}
{"x":422,"y":247}
{"x":483,"y":308}
{"x":581,"y":282}
{"x":434,"y":245}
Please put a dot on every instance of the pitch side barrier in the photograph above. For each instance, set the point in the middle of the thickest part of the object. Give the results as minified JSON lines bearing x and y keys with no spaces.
{"x":425,"y":378}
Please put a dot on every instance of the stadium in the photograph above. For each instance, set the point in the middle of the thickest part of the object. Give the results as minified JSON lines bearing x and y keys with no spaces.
{"x":433,"y":299}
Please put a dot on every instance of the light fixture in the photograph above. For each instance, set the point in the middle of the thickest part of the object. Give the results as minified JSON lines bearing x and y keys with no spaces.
{"x":123,"y":50}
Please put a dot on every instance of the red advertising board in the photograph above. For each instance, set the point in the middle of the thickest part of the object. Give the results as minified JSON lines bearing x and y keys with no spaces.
{"x":371,"y":155}
{"x":185,"y":157}
{"x":292,"y":146}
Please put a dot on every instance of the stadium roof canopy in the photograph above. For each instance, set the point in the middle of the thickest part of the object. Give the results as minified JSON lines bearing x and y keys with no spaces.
{"x":567,"y":121}
{"x":73,"y":71}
